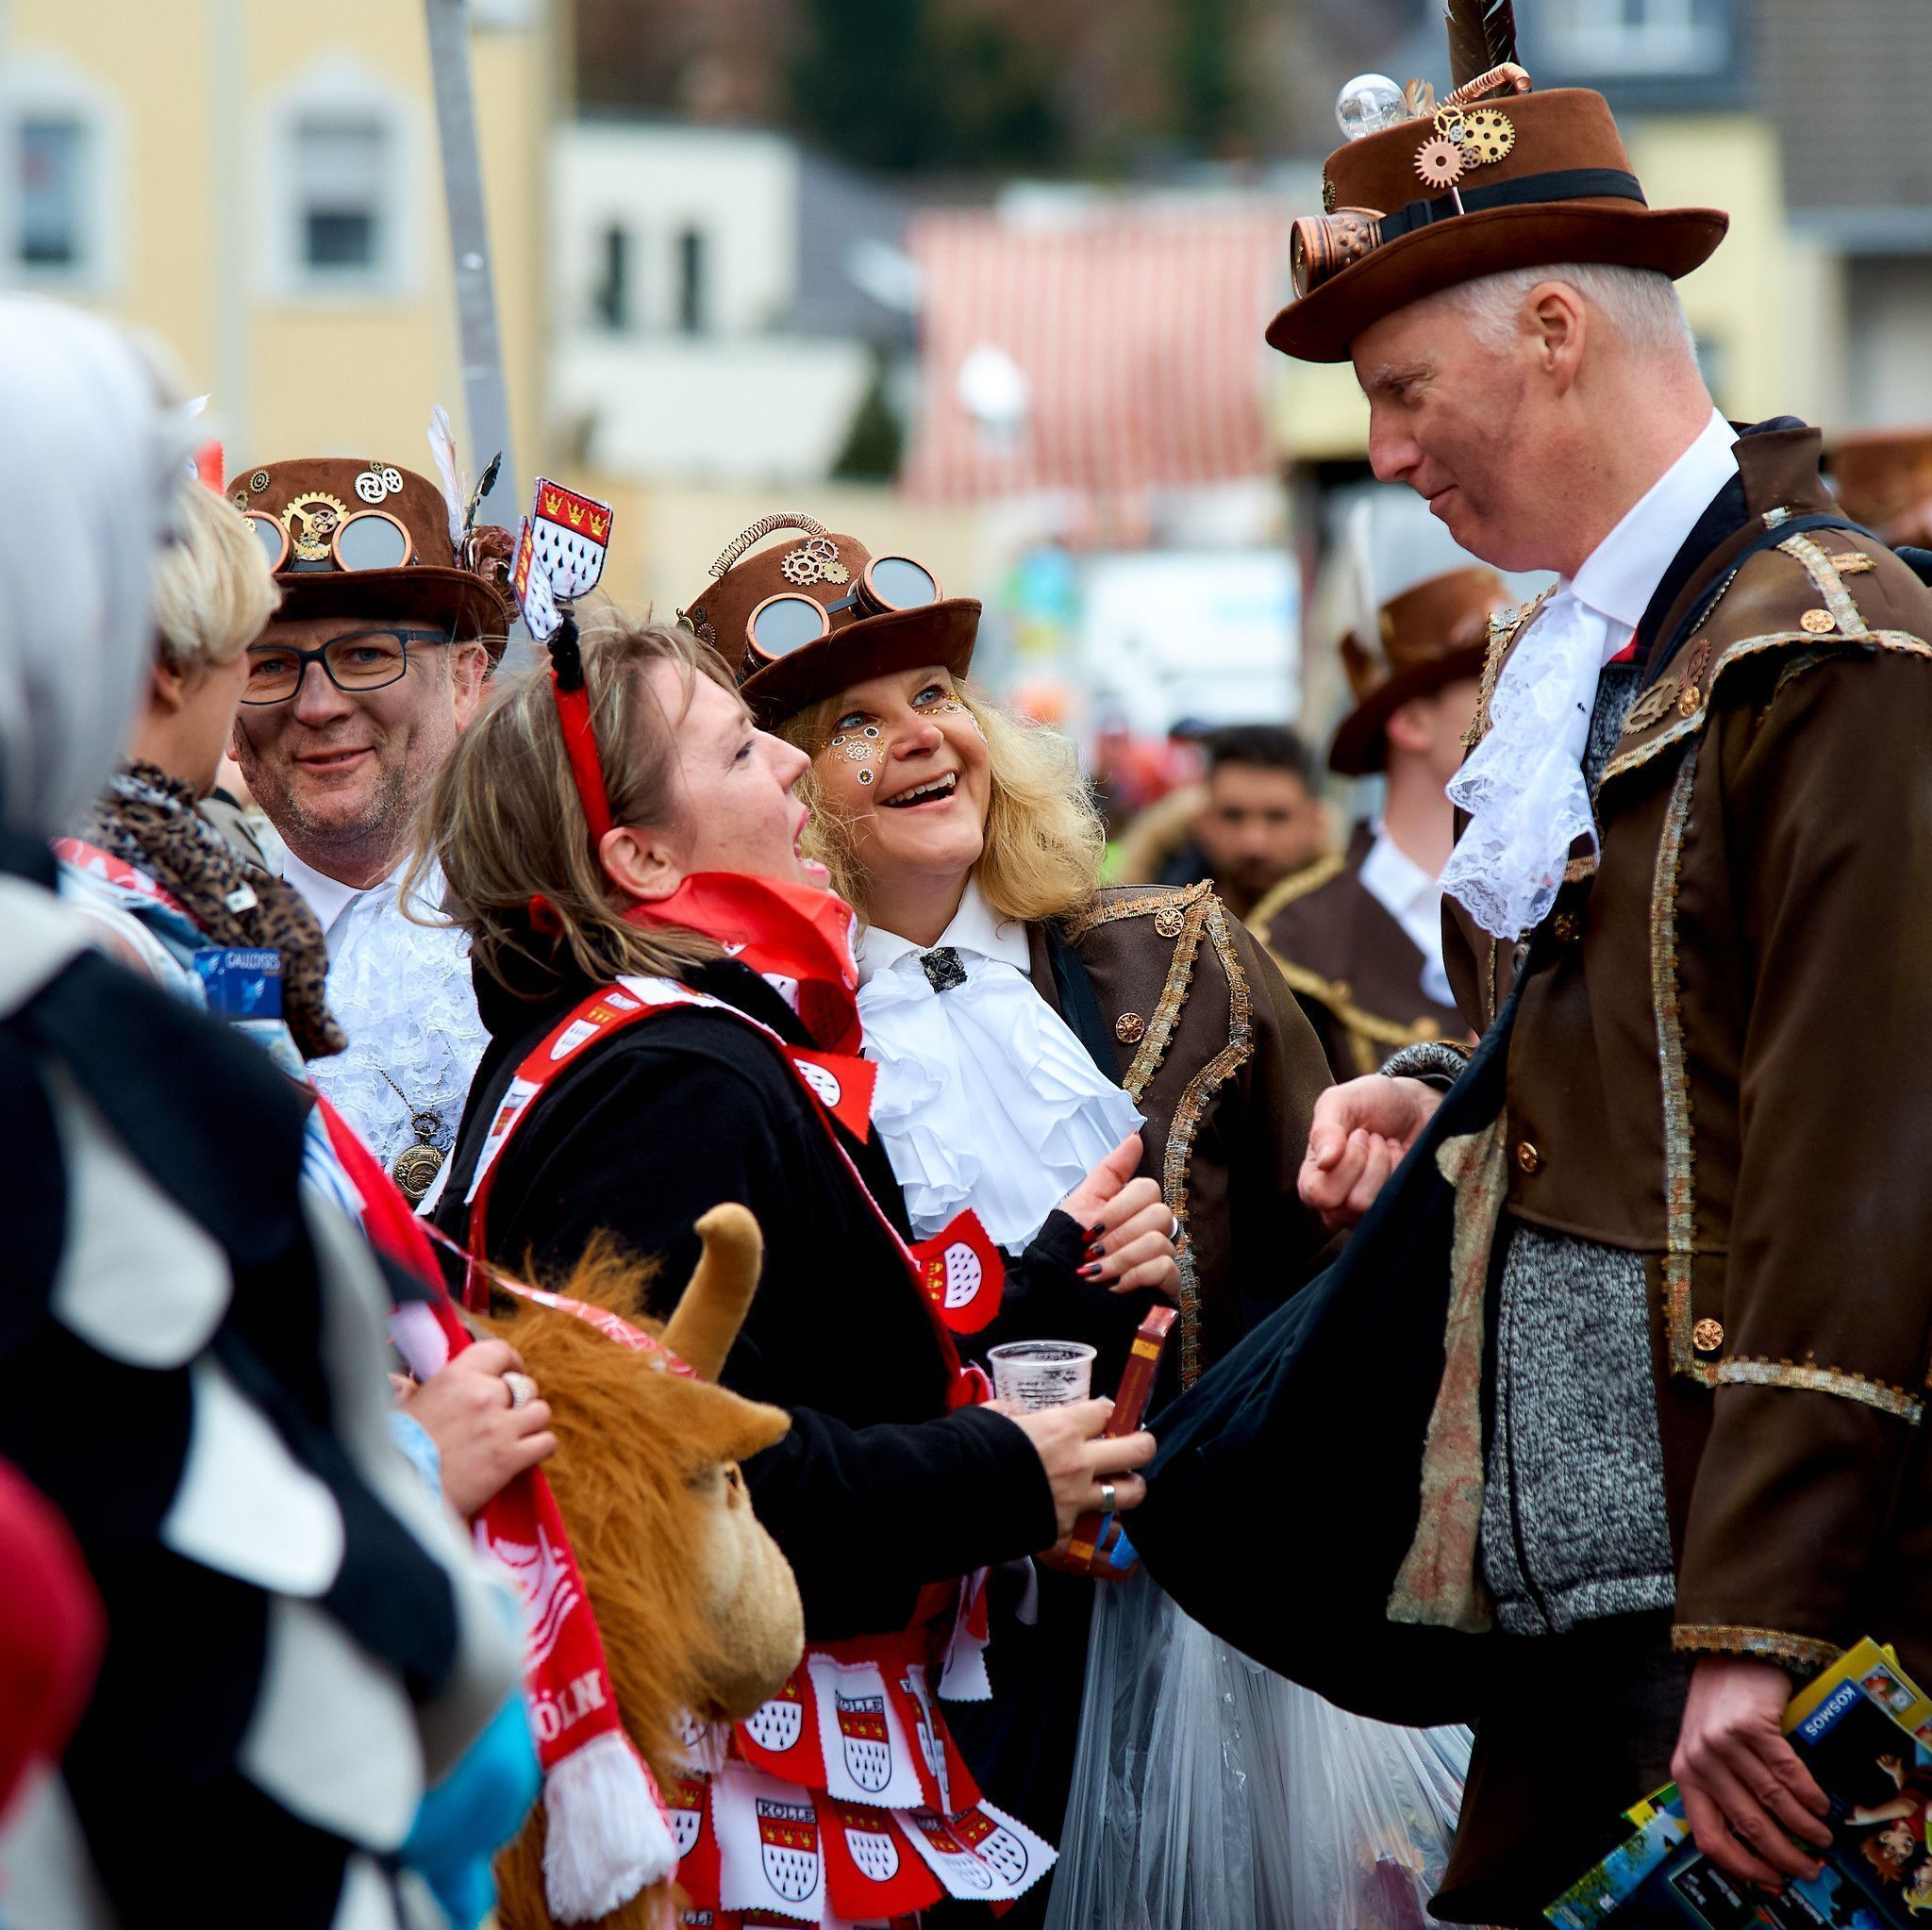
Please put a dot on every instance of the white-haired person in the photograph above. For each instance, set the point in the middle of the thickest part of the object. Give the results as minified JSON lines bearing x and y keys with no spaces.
{"x":298,"y":1635}
{"x":1685,"y":904}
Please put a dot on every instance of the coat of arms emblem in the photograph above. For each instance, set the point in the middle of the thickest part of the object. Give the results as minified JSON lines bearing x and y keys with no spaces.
{"x":572,"y":534}
{"x":953,"y":1862}
{"x":868,"y":1743}
{"x":998,"y":1845}
{"x":549,"y":1594}
{"x":788,"y":1846}
{"x":869,"y":1836}
{"x":778,"y":1723}
{"x":685,"y":1800}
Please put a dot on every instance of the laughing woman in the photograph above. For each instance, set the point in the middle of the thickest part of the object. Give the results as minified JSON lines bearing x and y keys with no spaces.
{"x":1023,"y":1021}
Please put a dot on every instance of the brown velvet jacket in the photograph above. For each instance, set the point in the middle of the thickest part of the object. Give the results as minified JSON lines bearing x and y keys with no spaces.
{"x":1721,"y":1064}
{"x":1214,"y":1051}
{"x":1353,"y":970}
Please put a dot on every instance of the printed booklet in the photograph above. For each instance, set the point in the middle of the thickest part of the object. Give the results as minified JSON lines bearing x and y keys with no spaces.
{"x":1864,"y":1730}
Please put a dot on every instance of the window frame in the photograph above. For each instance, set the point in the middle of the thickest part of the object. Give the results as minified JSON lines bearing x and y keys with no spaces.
{"x":1580,"y":41}
{"x":39,"y":85}
{"x":343,"y":90}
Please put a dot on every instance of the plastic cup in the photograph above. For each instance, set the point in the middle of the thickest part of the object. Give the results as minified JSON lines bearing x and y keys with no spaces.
{"x":1043,"y":1374}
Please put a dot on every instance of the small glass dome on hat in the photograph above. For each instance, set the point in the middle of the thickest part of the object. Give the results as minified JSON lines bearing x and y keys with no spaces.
{"x":1368,"y":103}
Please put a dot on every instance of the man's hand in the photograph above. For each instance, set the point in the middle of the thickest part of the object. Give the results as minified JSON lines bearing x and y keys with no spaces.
{"x":1745,"y":1792}
{"x":1362,"y":1132}
{"x":483,"y":1439}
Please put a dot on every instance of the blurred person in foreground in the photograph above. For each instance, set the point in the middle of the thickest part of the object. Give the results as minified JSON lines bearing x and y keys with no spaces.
{"x":298,"y":1635}
{"x":1260,"y":819}
{"x":671,"y":998}
{"x":1023,"y":1020}
{"x":1358,"y":934}
{"x":173,"y":899}
{"x":1688,"y":908}
{"x":391,"y":619}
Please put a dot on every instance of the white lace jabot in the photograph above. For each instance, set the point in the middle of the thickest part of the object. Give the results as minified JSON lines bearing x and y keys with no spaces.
{"x":985,"y":1097}
{"x":402,"y":993}
{"x":1522,"y":785}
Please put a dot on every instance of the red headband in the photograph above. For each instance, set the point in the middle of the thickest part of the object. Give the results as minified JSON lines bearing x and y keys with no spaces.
{"x":580,"y":741}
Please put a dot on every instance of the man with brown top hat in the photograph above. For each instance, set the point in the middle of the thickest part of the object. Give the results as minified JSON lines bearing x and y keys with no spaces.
{"x":1696,"y":841}
{"x":389,"y":623}
{"x":1359,"y":935}
{"x":1884,"y":480}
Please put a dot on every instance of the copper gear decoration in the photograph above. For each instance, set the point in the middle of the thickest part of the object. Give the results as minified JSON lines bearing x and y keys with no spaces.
{"x":1439,"y":162}
{"x":1486,"y":134}
{"x":800,"y":567}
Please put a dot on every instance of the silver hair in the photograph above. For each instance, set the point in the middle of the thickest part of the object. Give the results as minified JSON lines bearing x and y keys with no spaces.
{"x":1640,"y":304}
{"x":90,"y":457}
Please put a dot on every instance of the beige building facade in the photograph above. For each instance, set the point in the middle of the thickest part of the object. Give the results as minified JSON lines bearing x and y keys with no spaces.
{"x":262,"y":189}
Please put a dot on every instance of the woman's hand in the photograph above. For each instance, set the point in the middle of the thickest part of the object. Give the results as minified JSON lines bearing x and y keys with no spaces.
{"x":484,"y":1439}
{"x":1078,"y":1460}
{"x":1361,"y":1133}
{"x":1129,"y":1230}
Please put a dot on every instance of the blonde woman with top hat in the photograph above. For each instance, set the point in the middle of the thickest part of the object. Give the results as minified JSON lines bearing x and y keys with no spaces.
{"x":1021,"y":1020}
{"x":670,"y":1001}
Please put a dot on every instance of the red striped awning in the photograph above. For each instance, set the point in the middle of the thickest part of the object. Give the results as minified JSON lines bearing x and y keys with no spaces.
{"x":1138,"y":334}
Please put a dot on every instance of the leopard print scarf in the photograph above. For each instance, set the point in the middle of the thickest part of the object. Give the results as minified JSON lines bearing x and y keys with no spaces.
{"x":149,"y":819}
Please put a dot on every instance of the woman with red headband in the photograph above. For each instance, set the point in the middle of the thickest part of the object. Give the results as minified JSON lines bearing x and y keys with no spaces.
{"x":672,"y":1019}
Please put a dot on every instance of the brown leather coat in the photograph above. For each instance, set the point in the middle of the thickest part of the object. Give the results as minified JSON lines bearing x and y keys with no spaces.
{"x":1214,"y":1050}
{"x":1723,"y":1065}
{"x":1353,"y":970}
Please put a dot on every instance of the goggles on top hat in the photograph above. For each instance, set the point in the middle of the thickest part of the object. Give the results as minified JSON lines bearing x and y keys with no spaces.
{"x":791,"y":620}
{"x":319,"y":538}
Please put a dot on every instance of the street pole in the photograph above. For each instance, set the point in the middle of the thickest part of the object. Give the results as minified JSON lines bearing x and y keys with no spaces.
{"x":486,"y":401}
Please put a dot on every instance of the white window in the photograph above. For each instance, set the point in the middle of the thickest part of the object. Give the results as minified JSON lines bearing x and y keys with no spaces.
{"x":343,"y":187}
{"x":62,"y":137}
{"x":1636,"y":37}
{"x":344,"y":165}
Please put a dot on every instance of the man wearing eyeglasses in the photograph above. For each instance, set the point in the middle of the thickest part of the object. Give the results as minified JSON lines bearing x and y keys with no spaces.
{"x":389,"y":627}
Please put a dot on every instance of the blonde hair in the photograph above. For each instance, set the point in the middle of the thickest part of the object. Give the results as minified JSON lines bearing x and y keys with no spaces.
{"x":1044,"y":834}
{"x":503,"y":821}
{"x":213,"y":589}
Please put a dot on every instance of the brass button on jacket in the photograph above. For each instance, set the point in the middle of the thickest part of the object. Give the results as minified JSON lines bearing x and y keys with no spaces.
{"x":1527,"y":1157}
{"x":1566,"y":926}
{"x":1708,"y":1336}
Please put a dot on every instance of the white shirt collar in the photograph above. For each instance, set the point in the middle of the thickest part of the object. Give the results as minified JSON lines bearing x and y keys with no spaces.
{"x":975,"y":927}
{"x":1621,"y":575}
{"x":1394,"y":880}
{"x":328,"y":898}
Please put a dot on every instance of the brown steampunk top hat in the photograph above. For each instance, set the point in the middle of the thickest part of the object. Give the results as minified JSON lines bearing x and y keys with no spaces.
{"x":816,"y":612}
{"x":1434,"y":632}
{"x":1883,"y":477}
{"x":371,"y":539}
{"x":1496,"y":176}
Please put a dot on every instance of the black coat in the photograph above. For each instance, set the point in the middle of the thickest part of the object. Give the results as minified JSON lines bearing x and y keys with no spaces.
{"x":876,"y":1489}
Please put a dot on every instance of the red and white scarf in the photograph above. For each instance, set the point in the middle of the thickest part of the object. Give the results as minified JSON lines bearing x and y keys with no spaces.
{"x":608,"y":1833}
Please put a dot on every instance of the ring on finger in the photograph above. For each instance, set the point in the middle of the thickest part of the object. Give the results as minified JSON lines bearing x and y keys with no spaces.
{"x":523,"y":1389}
{"x":1107,"y":1502}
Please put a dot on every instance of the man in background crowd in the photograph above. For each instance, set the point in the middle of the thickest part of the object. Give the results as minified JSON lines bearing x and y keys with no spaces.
{"x":1262,"y":818}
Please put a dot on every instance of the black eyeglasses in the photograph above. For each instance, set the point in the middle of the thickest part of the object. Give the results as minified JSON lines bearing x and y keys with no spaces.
{"x":363,"y":660}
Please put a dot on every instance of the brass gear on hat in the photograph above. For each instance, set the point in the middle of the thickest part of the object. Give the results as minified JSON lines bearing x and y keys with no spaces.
{"x":1439,"y":162}
{"x":321,"y":515}
{"x":1486,"y":134}
{"x":801,"y":567}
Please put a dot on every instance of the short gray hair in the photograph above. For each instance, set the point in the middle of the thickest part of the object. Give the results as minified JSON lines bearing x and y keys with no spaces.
{"x":1641,"y":304}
